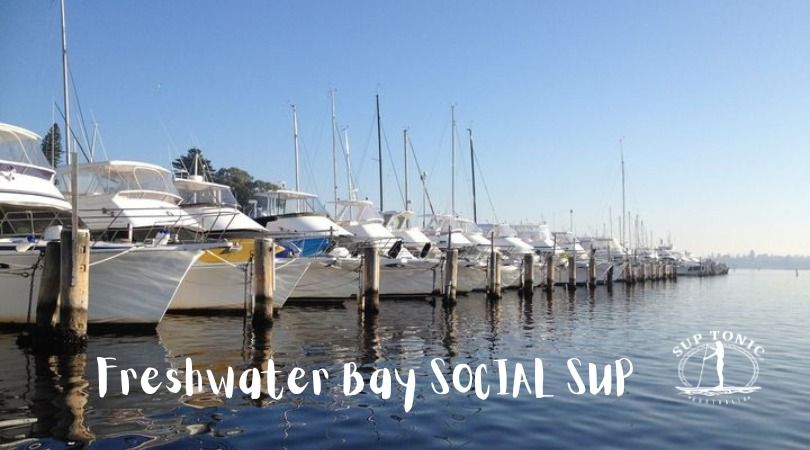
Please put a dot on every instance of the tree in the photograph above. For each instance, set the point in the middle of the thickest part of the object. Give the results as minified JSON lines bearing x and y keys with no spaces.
{"x":242,"y":184}
{"x":52,"y":145}
{"x":193,"y":163}
{"x":240,"y":181}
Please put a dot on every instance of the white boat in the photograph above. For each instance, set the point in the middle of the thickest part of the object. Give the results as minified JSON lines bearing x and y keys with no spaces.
{"x":220,"y":279}
{"x":412,"y":237}
{"x":128,"y":284}
{"x":128,"y":200}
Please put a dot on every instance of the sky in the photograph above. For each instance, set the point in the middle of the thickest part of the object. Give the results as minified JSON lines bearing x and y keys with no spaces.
{"x":711,"y":101}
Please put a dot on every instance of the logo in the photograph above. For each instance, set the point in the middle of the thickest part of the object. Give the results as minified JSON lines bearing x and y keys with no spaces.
{"x":720,"y":367}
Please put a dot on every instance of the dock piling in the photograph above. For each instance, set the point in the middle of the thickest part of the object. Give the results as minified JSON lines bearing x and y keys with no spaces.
{"x":264,"y":272}
{"x":74,"y":280}
{"x":528,"y":273}
{"x":572,"y":272}
{"x":550,"y":272}
{"x":494,"y":276}
{"x":592,"y":271}
{"x":451,"y":276}
{"x":48,"y":296}
{"x":369,"y":302}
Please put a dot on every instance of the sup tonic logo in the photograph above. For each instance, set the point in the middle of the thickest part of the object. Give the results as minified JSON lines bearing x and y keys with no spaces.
{"x":720,"y":367}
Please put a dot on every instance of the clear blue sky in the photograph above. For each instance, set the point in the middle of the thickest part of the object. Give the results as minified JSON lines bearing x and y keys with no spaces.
{"x":712,"y":99}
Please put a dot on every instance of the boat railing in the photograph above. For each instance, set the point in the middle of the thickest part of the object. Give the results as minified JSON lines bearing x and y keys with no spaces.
{"x":30,"y":222}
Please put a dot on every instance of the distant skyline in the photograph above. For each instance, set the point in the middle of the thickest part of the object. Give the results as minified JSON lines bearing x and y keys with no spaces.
{"x":711,"y":99}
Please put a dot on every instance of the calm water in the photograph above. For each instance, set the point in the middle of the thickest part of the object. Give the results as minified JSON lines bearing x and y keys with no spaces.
{"x":642,"y":323}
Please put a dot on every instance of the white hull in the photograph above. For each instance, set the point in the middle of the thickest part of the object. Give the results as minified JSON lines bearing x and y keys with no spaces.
{"x":472,"y":276}
{"x":333,"y":278}
{"x":126,"y":287}
{"x":227,"y":286}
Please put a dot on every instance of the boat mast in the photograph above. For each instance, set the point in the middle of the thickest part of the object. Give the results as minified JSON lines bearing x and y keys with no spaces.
{"x":334,"y":150}
{"x":624,"y":213}
{"x":472,"y":164}
{"x":350,"y":184}
{"x":379,"y":150}
{"x":297,"y":153}
{"x":72,"y":158}
{"x":453,"y":160}
{"x":348,"y":170}
{"x":405,"y":154}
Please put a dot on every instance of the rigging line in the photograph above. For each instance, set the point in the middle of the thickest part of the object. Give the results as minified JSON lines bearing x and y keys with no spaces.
{"x":422,"y":178}
{"x":73,"y":133}
{"x":486,"y":189}
{"x":439,"y":151}
{"x":351,"y":175}
{"x":393,"y":167}
{"x":79,"y":107}
{"x":308,"y":163}
{"x":100,"y":138}
{"x":368,"y":142}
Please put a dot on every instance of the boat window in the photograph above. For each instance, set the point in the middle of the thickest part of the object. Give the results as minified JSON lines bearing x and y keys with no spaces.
{"x":112,"y":179}
{"x":15,"y":147}
{"x":205,"y":194}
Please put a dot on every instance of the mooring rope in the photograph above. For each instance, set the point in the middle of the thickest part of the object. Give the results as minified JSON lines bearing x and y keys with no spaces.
{"x":112,"y":257}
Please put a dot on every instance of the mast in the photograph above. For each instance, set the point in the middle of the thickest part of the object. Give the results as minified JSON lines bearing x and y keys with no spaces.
{"x":405,"y":154}
{"x":297,"y":153}
{"x":624,"y":225}
{"x":72,"y":158}
{"x":297,"y":148}
{"x":334,"y":150}
{"x":349,"y":183}
{"x":379,"y":150}
{"x":472,"y":164}
{"x":348,"y":172}
{"x":453,"y":160}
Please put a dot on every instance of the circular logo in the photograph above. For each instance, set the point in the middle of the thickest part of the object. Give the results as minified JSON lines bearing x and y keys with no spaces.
{"x":720,"y":370}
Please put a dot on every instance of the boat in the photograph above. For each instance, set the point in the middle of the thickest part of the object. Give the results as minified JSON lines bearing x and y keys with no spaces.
{"x":221,"y":278}
{"x":129,"y":284}
{"x":129,"y":201}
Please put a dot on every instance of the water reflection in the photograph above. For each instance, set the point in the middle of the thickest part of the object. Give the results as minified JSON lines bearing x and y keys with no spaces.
{"x":54,"y":398}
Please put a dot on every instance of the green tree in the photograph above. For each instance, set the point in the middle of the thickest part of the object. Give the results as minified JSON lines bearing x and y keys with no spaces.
{"x":52,"y":145}
{"x":242,"y":184}
{"x":240,"y":181}
{"x":193,"y":162}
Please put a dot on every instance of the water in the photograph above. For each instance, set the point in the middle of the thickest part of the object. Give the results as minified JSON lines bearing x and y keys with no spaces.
{"x":642,"y":323}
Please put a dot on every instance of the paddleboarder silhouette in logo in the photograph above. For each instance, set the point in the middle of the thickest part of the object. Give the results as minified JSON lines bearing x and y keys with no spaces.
{"x":720,"y":354}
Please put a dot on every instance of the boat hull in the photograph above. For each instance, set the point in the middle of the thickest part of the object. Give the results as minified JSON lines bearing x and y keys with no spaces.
{"x":127,"y":286}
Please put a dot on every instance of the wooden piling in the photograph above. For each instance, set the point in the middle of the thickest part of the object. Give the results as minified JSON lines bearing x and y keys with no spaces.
{"x":48,"y":296}
{"x":74,"y":280}
{"x":451,"y":275}
{"x":550,"y":280}
{"x":528,"y":273}
{"x":572,"y":272}
{"x":264,"y":281}
{"x":592,"y":271}
{"x":494,"y":276}
{"x":370,"y":284}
